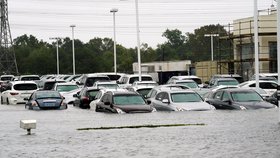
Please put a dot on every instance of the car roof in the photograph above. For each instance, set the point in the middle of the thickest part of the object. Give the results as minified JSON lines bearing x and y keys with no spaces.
{"x":238,"y":90}
{"x":96,"y":75}
{"x":226,"y":79}
{"x":185,"y":77}
{"x":121,"y":92}
{"x":22,"y":82}
{"x":66,"y":83}
{"x":179,"y":91}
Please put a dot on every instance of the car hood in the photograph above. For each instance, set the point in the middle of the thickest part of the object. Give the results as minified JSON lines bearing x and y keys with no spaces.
{"x":255,"y":105}
{"x":134,"y":108}
{"x":192,"y":106}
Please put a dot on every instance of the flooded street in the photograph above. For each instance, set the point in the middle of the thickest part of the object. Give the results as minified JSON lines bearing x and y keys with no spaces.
{"x":254,"y":133}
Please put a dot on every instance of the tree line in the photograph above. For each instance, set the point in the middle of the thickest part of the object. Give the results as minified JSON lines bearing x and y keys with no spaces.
{"x":39,"y":57}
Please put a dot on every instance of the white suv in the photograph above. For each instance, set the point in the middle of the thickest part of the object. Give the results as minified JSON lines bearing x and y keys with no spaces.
{"x":17,"y":91}
{"x":128,"y":80}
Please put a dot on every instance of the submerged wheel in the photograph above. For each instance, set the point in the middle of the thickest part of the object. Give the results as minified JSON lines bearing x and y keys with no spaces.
{"x":2,"y":100}
{"x":8,"y":101}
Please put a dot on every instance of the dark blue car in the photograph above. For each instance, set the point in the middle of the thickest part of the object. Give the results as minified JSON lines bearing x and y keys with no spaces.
{"x":45,"y":99}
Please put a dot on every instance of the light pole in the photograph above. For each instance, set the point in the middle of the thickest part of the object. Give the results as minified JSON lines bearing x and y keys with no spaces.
{"x":57,"y":56}
{"x":138,"y":39}
{"x":114,"y":10}
{"x":212,"y":44}
{"x":256,"y":42}
{"x":278,"y":53}
{"x":73,"y":48}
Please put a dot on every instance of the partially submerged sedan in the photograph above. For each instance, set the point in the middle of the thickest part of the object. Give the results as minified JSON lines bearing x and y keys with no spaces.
{"x":45,"y":99}
{"x":180,"y":100}
{"x":238,"y":98}
{"x":123,"y":102}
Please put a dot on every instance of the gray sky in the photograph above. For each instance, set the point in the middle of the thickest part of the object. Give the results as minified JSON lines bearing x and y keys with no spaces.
{"x":52,"y":18}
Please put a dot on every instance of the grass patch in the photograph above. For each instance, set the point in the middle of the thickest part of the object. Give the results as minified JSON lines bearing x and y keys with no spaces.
{"x":141,"y":126}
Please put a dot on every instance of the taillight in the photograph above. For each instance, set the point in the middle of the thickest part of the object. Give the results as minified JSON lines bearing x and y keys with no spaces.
{"x":13,"y":93}
{"x":85,"y":99}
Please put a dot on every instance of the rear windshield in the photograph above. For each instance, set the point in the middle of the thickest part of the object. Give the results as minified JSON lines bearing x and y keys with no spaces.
{"x":6,"y":78}
{"x":25,"y":86}
{"x":29,"y":78}
{"x":92,"y":80}
{"x":144,"y":78}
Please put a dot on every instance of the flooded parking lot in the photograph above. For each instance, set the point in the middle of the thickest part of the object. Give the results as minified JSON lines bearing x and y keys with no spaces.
{"x":252,"y":133}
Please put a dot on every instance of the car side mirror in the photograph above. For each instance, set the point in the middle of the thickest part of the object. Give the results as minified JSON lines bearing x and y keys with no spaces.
{"x":165,"y":101}
{"x":149,"y":102}
{"x":75,"y":95}
{"x":25,"y":99}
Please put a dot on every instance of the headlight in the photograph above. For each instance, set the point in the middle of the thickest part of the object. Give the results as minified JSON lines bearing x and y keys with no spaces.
{"x":119,"y":111}
{"x":242,"y":108}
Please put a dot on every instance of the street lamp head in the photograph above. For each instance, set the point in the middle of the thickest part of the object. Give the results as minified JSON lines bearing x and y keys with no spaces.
{"x":72,"y":25}
{"x":114,"y":10}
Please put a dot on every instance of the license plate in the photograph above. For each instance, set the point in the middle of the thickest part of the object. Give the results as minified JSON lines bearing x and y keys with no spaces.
{"x":49,"y":104}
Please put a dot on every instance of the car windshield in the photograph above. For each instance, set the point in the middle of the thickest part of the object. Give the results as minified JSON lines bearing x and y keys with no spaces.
{"x":92,"y":80}
{"x":189,"y":84}
{"x":143,"y":78}
{"x":128,"y":100}
{"x":66,"y":88}
{"x":185,"y":97}
{"x":144,"y":92}
{"x":48,"y":94}
{"x":6,"y":78}
{"x":29,"y":78}
{"x":246,"y":96}
{"x":230,"y":82}
{"x":25,"y":86}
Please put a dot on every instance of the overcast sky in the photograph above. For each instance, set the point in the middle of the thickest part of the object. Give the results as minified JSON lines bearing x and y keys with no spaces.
{"x":52,"y":18}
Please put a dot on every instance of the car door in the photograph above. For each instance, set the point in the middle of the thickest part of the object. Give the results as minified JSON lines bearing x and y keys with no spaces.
{"x":216,"y":100}
{"x":157,"y":102}
{"x":226,"y":101}
{"x":101,"y":105}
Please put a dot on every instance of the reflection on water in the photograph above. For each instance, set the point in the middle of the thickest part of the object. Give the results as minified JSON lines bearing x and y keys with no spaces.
{"x":225,"y":134}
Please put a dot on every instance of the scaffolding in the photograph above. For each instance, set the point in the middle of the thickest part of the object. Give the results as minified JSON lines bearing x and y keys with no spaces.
{"x":241,"y":45}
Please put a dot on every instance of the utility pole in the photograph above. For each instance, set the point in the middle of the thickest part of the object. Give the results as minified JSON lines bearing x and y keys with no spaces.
{"x":8,"y":64}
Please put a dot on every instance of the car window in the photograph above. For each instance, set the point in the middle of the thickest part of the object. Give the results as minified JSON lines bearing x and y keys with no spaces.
{"x":105,"y":98}
{"x":160,"y":96}
{"x":25,"y":86}
{"x":265,"y":85}
{"x":152,"y":93}
{"x":226,"y":96}
{"x":218,"y":95}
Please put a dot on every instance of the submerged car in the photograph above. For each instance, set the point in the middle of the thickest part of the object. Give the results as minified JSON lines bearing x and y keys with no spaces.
{"x":84,"y":97}
{"x":238,"y":98}
{"x":45,"y":99}
{"x":17,"y":91}
{"x":123,"y":102}
{"x":180,"y":100}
